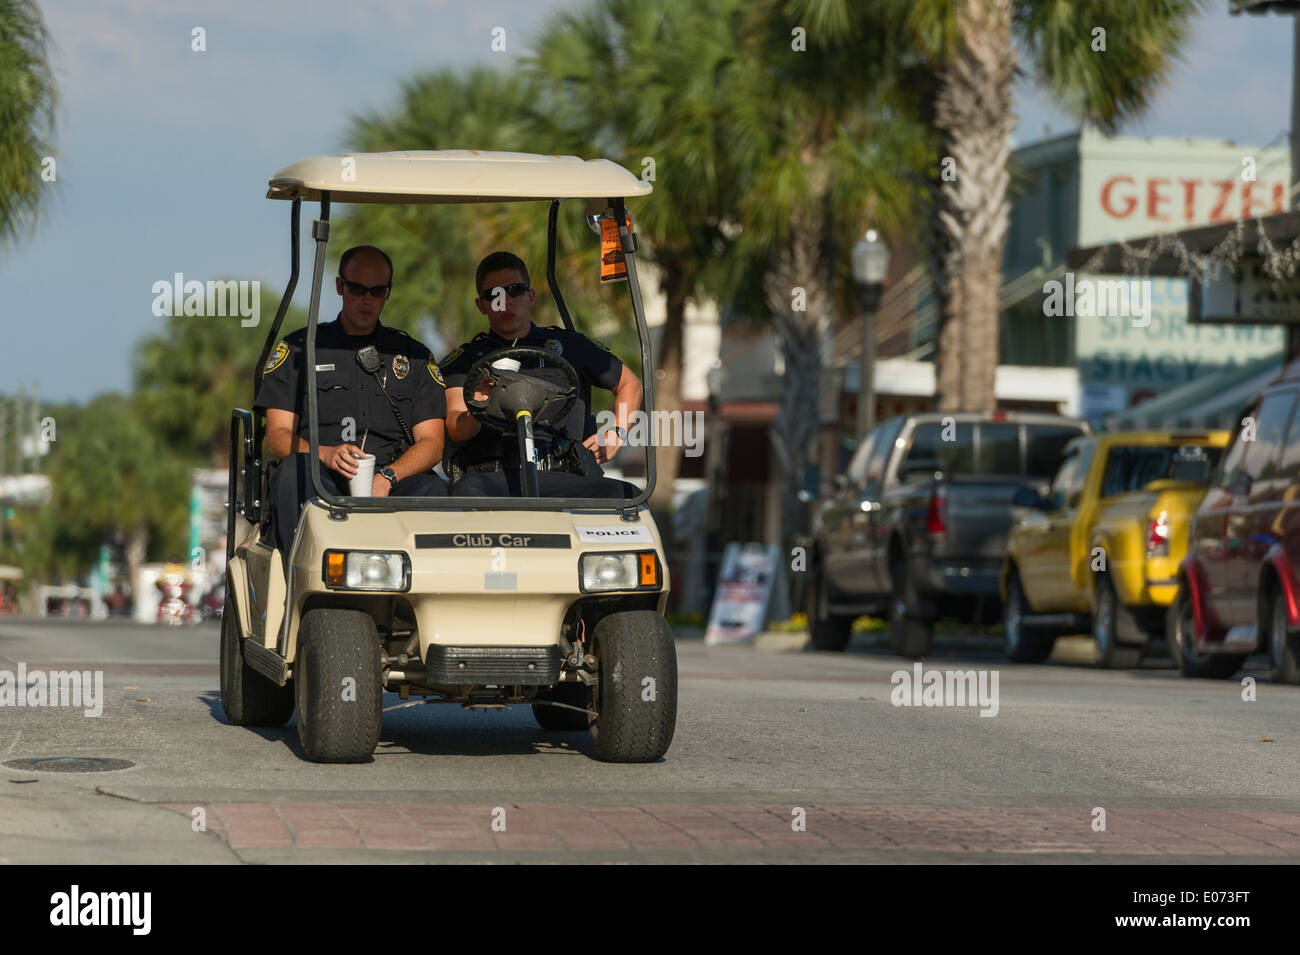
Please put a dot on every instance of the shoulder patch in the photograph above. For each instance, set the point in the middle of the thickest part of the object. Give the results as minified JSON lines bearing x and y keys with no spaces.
{"x":599,"y":344}
{"x":452,"y":355}
{"x":435,"y":374}
{"x":276,"y":358}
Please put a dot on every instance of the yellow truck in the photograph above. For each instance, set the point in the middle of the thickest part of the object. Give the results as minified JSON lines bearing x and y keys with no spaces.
{"x":1101,"y":548}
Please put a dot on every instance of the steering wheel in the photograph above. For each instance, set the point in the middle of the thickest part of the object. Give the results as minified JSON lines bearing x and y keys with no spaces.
{"x":515,"y":391}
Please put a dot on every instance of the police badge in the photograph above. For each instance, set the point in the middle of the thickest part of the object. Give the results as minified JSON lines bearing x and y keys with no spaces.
{"x":400,"y":367}
{"x":555,"y":345}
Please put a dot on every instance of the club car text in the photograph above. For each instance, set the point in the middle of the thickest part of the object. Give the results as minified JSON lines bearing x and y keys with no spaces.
{"x":492,"y":540}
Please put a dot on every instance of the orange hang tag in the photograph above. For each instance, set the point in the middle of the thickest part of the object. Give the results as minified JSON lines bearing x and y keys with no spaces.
{"x":613,"y":267}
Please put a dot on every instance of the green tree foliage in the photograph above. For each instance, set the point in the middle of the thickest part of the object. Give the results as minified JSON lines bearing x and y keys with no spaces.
{"x":190,"y":376}
{"x":27,"y":99}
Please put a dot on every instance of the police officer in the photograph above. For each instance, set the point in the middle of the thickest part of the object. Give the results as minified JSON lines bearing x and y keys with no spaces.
{"x":487,"y":464}
{"x":389,"y":396}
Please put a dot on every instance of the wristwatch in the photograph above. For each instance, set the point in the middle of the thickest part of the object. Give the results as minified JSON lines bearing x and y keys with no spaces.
{"x":388,"y":473}
{"x":621,"y":432}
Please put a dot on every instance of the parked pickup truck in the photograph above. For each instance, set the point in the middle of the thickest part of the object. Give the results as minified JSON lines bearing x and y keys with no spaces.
{"x":1101,"y":549}
{"x":917,"y":525}
{"x":1239,"y":588}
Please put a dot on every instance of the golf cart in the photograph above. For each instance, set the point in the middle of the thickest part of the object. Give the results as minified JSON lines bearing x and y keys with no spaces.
{"x":486,"y":602}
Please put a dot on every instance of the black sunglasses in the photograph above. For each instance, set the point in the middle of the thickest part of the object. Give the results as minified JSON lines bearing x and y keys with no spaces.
{"x":376,"y":291}
{"x":514,"y":290}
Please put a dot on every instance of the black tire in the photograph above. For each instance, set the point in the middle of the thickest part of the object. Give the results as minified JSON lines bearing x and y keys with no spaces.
{"x":1109,"y":618}
{"x":826,"y":631}
{"x":1282,"y":646}
{"x":248,"y":698}
{"x":1180,"y":637}
{"x":1024,"y":643}
{"x":335,"y":646}
{"x":632,"y":645}
{"x":911,"y":629}
{"x":554,"y":718}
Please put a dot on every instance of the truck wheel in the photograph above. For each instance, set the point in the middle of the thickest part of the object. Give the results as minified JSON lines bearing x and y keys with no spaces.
{"x":826,"y":631}
{"x":1109,"y":653}
{"x":248,"y":698}
{"x":1024,"y":642}
{"x":554,"y":718}
{"x":1182,"y":644}
{"x":1283,"y":646}
{"x":637,"y":693}
{"x":910,"y":634}
{"x":339,"y":675}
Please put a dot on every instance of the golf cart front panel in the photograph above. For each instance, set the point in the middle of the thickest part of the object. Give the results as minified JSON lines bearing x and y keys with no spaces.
{"x":472,"y":578}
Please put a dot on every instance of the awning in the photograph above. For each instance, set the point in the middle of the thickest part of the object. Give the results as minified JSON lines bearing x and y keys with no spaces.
{"x":1108,"y":258}
{"x":1211,"y":402}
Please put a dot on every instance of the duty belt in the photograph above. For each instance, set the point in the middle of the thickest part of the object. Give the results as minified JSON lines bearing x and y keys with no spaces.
{"x":551,"y":461}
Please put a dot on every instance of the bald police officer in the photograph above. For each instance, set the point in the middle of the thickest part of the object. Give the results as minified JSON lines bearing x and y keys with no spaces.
{"x":488,"y":459}
{"x":397,"y":409}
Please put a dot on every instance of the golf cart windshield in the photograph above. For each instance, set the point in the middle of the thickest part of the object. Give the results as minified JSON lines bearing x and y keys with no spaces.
{"x":456,"y":176}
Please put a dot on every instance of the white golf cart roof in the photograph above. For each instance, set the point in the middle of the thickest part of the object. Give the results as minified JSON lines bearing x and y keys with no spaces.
{"x":453,"y":175}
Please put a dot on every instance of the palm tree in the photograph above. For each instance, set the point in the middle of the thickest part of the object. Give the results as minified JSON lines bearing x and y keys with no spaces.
{"x":637,"y":82}
{"x":955,"y":69}
{"x":825,"y":161}
{"x":27,"y":99}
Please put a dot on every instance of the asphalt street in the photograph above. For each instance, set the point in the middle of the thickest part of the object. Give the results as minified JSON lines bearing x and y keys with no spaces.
{"x":778,"y":757}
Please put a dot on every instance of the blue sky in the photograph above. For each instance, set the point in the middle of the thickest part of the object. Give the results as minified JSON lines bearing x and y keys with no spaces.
{"x":163,"y":153}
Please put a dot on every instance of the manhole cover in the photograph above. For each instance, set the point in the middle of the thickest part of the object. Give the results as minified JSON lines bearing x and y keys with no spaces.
{"x":69,"y":764}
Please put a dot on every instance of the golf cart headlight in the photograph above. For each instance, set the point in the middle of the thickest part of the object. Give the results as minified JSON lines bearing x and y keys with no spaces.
{"x":367,"y":570}
{"x":635,"y":571}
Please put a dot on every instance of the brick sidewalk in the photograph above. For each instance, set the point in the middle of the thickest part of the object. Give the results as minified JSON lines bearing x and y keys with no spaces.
{"x":436,"y":827}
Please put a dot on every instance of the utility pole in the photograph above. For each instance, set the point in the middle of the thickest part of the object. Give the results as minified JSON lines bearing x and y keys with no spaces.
{"x":18,"y":431}
{"x":35,"y":431}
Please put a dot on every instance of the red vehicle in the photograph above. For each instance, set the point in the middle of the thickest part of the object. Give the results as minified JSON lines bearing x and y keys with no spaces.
{"x":1239,"y":587}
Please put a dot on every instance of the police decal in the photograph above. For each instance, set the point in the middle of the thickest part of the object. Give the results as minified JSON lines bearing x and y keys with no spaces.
{"x":400,"y":366}
{"x":277,"y":358}
{"x":435,"y":374}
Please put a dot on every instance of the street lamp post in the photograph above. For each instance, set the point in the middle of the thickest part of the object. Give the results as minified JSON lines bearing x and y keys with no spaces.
{"x":870,"y":265}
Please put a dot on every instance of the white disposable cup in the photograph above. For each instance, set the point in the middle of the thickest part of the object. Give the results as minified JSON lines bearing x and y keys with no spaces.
{"x":506,"y":364}
{"x":363,"y":484}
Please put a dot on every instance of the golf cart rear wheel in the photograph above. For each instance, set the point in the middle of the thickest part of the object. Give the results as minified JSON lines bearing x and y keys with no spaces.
{"x":554,"y":718}
{"x":340,"y":681}
{"x":248,"y":698}
{"x":636,"y":698}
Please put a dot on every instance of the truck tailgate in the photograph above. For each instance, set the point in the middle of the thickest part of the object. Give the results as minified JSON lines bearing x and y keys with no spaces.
{"x":977,"y":518}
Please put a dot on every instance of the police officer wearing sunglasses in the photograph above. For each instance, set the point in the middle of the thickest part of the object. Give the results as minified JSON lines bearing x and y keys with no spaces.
{"x":486,"y":462}
{"x":374,"y":384}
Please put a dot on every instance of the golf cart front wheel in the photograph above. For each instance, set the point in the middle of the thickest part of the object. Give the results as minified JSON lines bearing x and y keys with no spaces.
{"x":636,"y":698}
{"x":340,"y":681}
